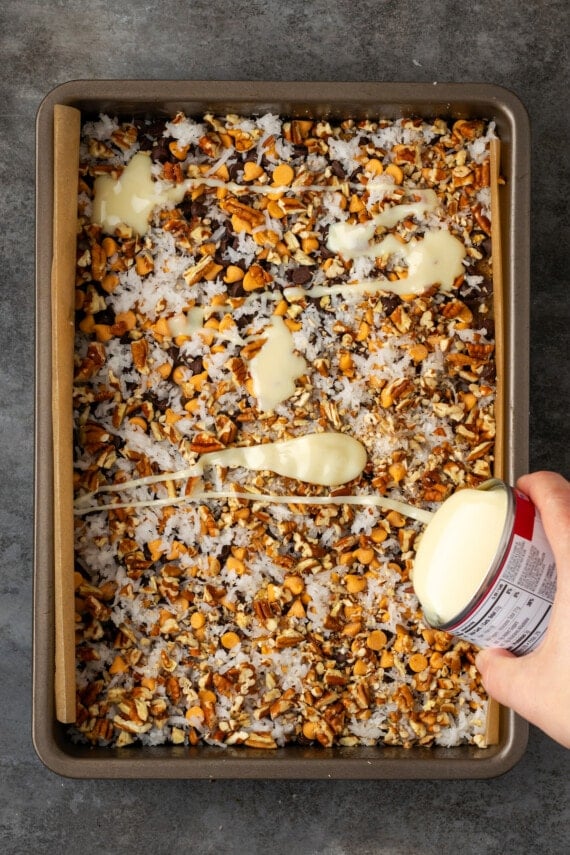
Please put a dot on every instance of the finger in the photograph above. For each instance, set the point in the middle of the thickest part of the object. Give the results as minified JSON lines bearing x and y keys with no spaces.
{"x":506,"y":679}
{"x":550,"y":492}
{"x":531,"y":686}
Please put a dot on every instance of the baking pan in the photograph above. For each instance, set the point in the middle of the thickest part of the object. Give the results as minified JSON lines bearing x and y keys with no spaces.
{"x":294,"y":99}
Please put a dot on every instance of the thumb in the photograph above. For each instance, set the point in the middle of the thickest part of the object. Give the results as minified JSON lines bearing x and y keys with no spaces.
{"x":505,"y":678}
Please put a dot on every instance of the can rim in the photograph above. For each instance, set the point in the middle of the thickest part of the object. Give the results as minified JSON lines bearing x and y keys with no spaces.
{"x":497,"y":563}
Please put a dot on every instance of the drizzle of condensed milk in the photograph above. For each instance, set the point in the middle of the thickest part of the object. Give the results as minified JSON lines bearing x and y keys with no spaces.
{"x":328,"y":459}
{"x":192,"y":322}
{"x":188,"y":324}
{"x":456,"y":551}
{"x":435,"y":259}
{"x":131,"y":198}
{"x":352,"y":240}
{"x":276,"y":367}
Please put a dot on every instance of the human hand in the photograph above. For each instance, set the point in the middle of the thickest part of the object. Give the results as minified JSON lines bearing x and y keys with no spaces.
{"x":537,"y":685}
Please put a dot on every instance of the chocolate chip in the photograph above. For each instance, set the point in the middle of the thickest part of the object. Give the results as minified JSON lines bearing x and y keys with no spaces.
{"x":117,"y":441}
{"x":299,"y":275}
{"x":390,"y":303}
{"x":159,"y":404}
{"x":225,"y":552}
{"x":160,"y":153}
{"x":337,"y":169}
{"x":105,"y":316}
{"x":233,"y":170}
{"x":196,"y":365}
{"x":198,"y":210}
{"x":236,"y":289}
{"x":325,"y":252}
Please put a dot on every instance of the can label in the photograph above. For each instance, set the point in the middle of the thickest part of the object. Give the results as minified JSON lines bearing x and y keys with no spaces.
{"x":514,"y":609}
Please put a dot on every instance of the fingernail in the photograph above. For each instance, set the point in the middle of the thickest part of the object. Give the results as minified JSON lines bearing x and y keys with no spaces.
{"x":480,"y":660}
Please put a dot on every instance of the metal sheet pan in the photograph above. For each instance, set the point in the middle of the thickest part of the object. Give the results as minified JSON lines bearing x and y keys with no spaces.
{"x":295,"y":99}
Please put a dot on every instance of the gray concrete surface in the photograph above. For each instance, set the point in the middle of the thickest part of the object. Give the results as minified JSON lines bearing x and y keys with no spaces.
{"x":46,"y":42}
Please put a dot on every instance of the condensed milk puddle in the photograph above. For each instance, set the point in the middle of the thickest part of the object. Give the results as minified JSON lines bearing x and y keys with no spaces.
{"x":435,"y":259}
{"x":274,"y":371}
{"x":131,"y":198}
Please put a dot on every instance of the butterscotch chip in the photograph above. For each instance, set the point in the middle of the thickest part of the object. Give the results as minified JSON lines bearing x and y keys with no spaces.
{"x":395,"y":172}
{"x":418,"y":662}
{"x":233,"y":274}
{"x":229,"y":640}
{"x":360,"y":668}
{"x":118,"y":666}
{"x":309,"y":730}
{"x":251,"y":171}
{"x":256,"y":277}
{"x":294,"y":583}
{"x":197,"y":620}
{"x":355,"y":584}
{"x":283,"y":174}
{"x":377,"y":640}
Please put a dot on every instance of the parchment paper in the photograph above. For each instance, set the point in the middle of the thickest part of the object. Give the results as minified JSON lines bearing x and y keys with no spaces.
{"x":67,"y":121}
{"x":493,"y":712}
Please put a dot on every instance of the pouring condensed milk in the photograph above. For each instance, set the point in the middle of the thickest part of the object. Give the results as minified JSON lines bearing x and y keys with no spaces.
{"x":484,"y":569}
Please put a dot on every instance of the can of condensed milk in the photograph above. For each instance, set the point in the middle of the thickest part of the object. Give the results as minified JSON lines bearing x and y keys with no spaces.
{"x":484,"y":570}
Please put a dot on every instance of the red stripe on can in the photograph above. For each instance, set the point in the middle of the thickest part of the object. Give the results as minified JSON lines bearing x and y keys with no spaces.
{"x":524,"y":516}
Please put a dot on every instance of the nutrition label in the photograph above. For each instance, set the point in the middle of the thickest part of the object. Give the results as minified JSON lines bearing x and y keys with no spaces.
{"x":514,"y":611}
